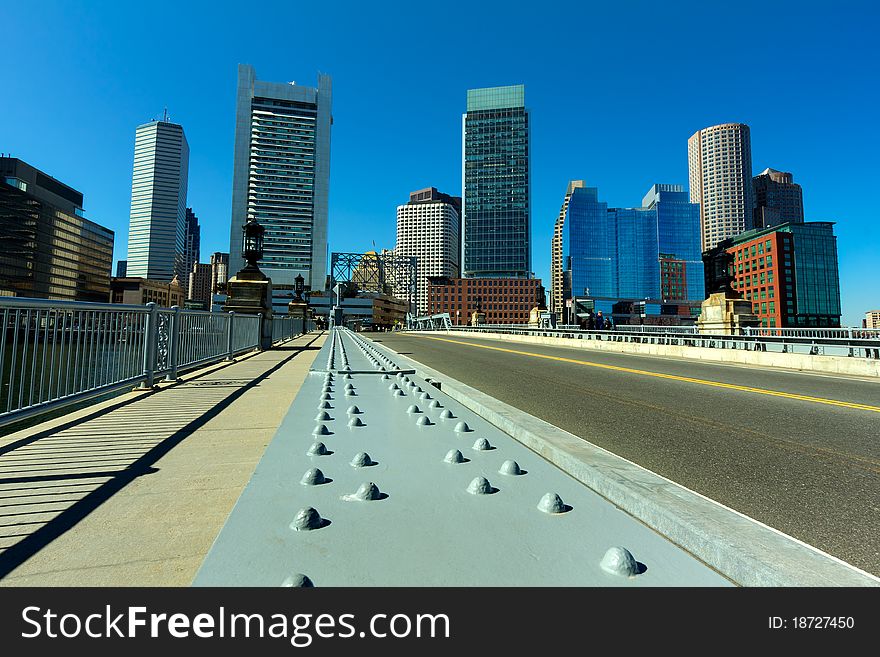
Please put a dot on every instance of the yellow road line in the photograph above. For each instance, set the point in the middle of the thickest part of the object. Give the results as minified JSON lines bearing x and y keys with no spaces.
{"x":672,"y":377}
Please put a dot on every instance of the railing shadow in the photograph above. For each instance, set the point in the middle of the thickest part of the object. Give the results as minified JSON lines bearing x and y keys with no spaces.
{"x":51,"y":481}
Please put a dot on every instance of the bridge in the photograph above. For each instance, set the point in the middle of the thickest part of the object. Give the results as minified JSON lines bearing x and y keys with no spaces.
{"x":446,"y":457}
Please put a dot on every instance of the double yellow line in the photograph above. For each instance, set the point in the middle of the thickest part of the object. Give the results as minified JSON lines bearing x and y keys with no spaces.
{"x":672,"y":377}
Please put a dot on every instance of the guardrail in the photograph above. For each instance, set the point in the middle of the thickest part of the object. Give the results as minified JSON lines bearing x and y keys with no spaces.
{"x":804,"y":341}
{"x":55,"y":353}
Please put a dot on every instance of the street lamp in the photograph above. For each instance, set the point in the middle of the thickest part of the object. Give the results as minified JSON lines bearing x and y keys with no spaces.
{"x":298,"y":287}
{"x":252,"y":243}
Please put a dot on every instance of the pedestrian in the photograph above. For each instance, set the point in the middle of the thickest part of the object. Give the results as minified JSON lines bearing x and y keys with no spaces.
{"x":590,"y":323}
{"x":609,"y":324}
{"x":600,"y":321}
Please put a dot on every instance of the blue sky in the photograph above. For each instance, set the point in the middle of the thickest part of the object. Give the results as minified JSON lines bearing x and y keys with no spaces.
{"x":615,"y":90}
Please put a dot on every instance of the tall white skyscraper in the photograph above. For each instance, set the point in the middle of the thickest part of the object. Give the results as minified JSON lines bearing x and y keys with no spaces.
{"x":720,"y":173}
{"x":157,"y":224}
{"x":429,"y":229}
{"x":281,"y":178}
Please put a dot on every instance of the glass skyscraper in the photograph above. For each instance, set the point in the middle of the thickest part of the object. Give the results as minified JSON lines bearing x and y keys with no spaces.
{"x":678,"y":232}
{"x":495,"y":172}
{"x":616,"y":253}
{"x":281,"y":179}
{"x":157,"y":224}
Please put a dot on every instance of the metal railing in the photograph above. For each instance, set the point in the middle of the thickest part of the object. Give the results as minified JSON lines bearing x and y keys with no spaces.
{"x":287,"y":328}
{"x":55,"y":353}
{"x":827,"y":342}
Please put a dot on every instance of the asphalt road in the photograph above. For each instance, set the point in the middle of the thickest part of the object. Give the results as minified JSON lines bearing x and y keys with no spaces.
{"x":807,"y":467}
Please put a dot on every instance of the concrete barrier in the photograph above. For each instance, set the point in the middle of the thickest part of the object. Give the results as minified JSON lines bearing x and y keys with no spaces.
{"x":801,"y":362}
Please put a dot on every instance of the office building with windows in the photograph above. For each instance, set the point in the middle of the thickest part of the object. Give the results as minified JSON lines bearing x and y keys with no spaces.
{"x":429,"y":229}
{"x":281,"y":179}
{"x":50,"y":250}
{"x":720,"y":175}
{"x":557,"y":284}
{"x":157,"y":225}
{"x":649,"y":255}
{"x":199,"y":291}
{"x":503,"y":300}
{"x":778,"y":199}
{"x":789,"y":273}
{"x":191,"y":245}
{"x":496,"y":206}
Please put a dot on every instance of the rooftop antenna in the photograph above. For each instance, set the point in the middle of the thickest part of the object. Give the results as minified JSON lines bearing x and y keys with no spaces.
{"x":165,"y":117}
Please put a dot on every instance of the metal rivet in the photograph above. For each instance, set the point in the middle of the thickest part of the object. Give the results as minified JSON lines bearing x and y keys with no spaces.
{"x":321,"y":430}
{"x":481,"y":486}
{"x":362,"y":460}
{"x":406,"y":379}
{"x":435,"y":404}
{"x":482,"y":445}
{"x":417,"y":390}
{"x":323,"y":415}
{"x":399,"y":393}
{"x":347,"y":376}
{"x":350,"y":393}
{"x":510,"y":467}
{"x":413,"y":409}
{"x":353,"y":410}
{"x":297,"y":580}
{"x":425,"y":396}
{"x":446,"y":415}
{"x":325,"y":396}
{"x":318,"y":449}
{"x":454,"y":456}
{"x":619,"y":561}
{"x":552,"y":503}
{"x":385,"y":377}
{"x":307,"y":519}
{"x":366,"y":492}
{"x":327,"y":389}
{"x":323,"y":405}
{"x":462,"y":427}
{"x":423,"y":421}
{"x":349,"y":386}
{"x":313,"y":477}
{"x":355,"y":422}
{"x":394,"y":386}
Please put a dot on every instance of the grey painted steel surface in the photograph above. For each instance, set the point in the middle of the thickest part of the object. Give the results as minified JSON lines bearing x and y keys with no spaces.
{"x":440,"y":503}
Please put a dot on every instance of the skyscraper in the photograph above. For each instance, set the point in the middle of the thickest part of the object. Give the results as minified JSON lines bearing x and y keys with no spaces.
{"x":720,"y":174}
{"x":191,"y":246}
{"x":281,"y":178}
{"x":495,"y":172}
{"x":157,"y":226}
{"x":219,"y":270}
{"x":630,"y":254}
{"x":556,"y":268}
{"x":778,"y":199}
{"x":429,"y":229}
{"x":678,"y":233}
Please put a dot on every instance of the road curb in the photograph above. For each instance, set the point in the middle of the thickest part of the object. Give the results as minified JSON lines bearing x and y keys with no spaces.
{"x":744,"y":550}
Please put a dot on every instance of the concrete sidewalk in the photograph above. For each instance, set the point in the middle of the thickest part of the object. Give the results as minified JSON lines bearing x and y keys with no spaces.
{"x":132,"y":492}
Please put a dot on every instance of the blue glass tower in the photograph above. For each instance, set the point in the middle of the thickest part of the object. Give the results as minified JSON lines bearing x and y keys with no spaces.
{"x":615,"y":253}
{"x":495,"y":172}
{"x":678,"y":226}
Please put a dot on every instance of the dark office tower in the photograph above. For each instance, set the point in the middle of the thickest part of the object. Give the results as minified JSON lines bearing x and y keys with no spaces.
{"x":192,"y":245}
{"x":778,"y":199}
{"x":121,"y":268}
{"x":50,"y":250}
{"x":495,"y":172}
{"x":281,"y":178}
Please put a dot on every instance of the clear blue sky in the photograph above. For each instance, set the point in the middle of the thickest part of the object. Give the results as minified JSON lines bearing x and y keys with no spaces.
{"x":614,"y":89}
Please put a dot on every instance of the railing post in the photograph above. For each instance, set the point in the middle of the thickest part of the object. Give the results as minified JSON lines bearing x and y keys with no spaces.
{"x":174,"y":347}
{"x":229,"y":336}
{"x":151,"y":344}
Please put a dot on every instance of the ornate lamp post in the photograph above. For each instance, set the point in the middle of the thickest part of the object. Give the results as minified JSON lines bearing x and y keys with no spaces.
{"x":298,"y":307}
{"x":250,"y":291}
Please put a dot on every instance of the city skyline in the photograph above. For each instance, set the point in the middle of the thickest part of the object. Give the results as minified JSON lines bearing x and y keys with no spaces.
{"x":374,"y":122}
